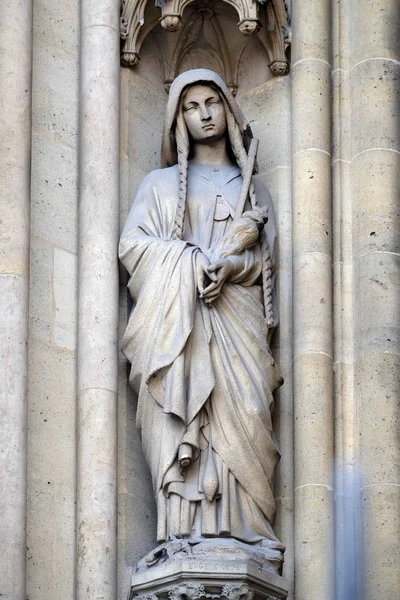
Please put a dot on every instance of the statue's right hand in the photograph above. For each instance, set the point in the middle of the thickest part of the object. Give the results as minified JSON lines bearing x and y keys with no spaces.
{"x":203,"y":278}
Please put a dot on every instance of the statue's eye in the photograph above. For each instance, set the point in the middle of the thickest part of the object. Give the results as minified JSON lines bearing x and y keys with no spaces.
{"x":190,"y":107}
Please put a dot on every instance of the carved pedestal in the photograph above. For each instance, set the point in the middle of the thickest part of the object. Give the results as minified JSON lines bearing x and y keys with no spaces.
{"x":192,"y":579}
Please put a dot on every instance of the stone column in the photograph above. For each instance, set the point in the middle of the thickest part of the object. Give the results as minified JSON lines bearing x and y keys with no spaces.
{"x":15,"y":154}
{"x":98,"y":300}
{"x":345,"y":413}
{"x":375,"y":167}
{"x":312,"y":300}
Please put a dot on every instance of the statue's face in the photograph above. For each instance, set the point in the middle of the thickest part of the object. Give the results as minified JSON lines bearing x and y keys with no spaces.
{"x":204,"y":114}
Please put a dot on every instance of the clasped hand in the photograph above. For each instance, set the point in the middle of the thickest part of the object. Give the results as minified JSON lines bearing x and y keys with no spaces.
{"x":212,"y":276}
{"x":229,"y":261}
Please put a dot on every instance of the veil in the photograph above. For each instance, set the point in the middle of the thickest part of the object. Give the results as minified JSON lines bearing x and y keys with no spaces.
{"x":169,"y":155}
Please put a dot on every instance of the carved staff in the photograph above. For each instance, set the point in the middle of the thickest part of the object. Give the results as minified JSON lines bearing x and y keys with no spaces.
{"x":244,"y":192}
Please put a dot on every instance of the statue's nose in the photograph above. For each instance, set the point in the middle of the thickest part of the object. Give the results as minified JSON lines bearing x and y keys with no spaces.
{"x":205,"y":113}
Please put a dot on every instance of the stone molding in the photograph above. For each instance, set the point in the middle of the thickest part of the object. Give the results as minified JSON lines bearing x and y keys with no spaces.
{"x":197,"y":591}
{"x":207,"y":579}
{"x":267,"y":19}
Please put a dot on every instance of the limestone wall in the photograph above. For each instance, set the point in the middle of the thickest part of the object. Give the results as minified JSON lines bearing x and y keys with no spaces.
{"x":51,"y":513}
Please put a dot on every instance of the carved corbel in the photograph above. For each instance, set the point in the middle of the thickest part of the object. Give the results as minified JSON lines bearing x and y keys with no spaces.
{"x":275,"y":35}
{"x":134,"y":29}
{"x":237,"y":591}
{"x":247,"y":10}
{"x":172,"y":12}
{"x":187,"y":591}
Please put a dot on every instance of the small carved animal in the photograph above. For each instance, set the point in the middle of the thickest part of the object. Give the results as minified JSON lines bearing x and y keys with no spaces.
{"x":244,"y":233}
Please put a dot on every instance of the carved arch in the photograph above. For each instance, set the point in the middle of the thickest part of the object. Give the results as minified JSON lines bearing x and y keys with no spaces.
{"x":172,"y":12}
{"x":190,"y":33}
{"x":267,"y":18}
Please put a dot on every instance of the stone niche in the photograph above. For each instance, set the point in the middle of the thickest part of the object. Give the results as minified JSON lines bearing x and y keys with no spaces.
{"x":209,"y":37}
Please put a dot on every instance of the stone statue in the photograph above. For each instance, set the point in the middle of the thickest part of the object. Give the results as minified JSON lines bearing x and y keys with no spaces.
{"x":199,"y":248}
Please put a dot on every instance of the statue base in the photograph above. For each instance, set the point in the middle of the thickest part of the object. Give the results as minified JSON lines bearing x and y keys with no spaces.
{"x":210,"y":578}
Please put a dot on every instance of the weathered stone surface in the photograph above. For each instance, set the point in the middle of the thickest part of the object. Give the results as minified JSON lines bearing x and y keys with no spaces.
{"x":312,"y":80}
{"x":313,"y":409}
{"x":51,"y":510}
{"x":15,"y":153}
{"x":310,"y":23}
{"x":375,"y":194}
{"x":41,"y":290}
{"x":380,"y":508}
{"x":377,"y":321}
{"x":65,"y":296}
{"x":54,"y":211}
{"x":215,"y":578}
{"x":311,"y":213}
{"x":375,"y":98}
{"x":13,"y":396}
{"x":313,"y":304}
{"x":378,"y":386}
{"x":314,"y":540}
{"x":274,"y":148}
{"x":55,"y":108}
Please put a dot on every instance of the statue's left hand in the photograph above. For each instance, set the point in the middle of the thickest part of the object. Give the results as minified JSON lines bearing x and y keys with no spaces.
{"x":224,"y":269}
{"x":203,"y":278}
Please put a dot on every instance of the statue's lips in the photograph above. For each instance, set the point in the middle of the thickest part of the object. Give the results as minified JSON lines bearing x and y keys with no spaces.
{"x":208,"y":126}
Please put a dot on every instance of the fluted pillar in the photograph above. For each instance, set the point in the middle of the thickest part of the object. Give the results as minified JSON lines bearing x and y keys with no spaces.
{"x":15,"y":153}
{"x":98,"y":300}
{"x":312,"y":300}
{"x":375,"y":188}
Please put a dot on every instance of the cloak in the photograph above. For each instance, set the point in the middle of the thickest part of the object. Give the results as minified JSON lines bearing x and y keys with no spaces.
{"x":204,"y":376}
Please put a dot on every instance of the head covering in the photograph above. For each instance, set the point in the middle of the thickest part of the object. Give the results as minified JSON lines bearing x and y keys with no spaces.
{"x":179,"y":85}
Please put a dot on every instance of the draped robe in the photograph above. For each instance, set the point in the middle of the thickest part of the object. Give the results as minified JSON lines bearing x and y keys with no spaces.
{"x":203,"y":375}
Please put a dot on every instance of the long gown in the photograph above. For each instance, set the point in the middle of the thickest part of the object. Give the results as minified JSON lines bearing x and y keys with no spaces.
{"x":203,"y":376}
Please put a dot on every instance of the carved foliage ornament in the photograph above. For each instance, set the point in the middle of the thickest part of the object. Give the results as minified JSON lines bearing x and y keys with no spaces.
{"x":172,"y":11}
{"x":267,"y":18}
{"x":197,"y":591}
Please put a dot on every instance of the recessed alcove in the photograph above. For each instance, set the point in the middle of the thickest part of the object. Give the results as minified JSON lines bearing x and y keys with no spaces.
{"x":214,"y":42}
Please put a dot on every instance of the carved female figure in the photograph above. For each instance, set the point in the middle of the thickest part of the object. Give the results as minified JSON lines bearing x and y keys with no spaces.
{"x":201,"y":278}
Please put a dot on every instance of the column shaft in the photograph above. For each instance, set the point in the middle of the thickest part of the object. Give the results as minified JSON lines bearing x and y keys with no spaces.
{"x":312,"y":300}
{"x":343,"y":312}
{"x":15,"y":148}
{"x":375,"y":190}
{"x":98,"y":300}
